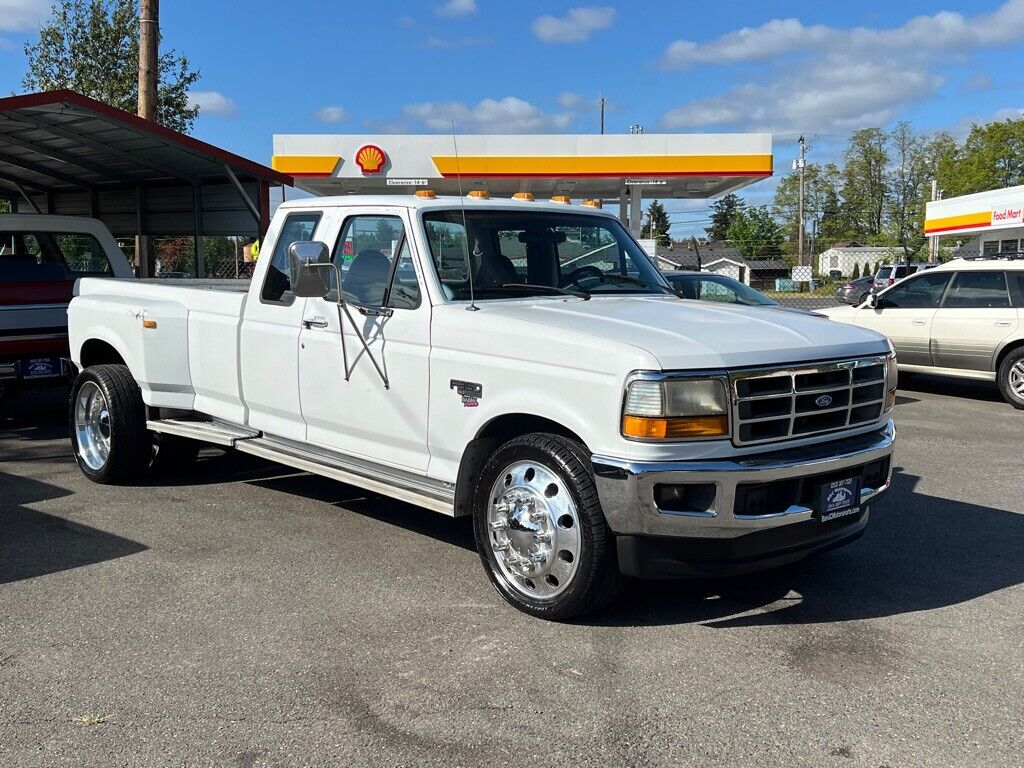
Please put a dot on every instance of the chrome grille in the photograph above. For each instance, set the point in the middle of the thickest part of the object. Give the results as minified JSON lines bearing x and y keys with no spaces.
{"x":772,"y":404}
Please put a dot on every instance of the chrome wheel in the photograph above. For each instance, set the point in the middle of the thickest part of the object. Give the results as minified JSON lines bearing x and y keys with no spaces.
{"x":92,"y":426}
{"x":534,"y":530}
{"x":1017,"y":379}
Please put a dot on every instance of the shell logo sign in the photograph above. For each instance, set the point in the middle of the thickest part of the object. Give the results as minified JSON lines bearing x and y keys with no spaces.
{"x":371,"y":159}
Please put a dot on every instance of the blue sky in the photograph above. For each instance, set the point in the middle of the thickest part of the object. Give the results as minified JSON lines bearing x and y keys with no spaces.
{"x":821,"y":68}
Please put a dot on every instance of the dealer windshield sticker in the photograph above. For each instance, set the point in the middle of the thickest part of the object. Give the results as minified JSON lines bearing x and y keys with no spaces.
{"x":469,"y":391}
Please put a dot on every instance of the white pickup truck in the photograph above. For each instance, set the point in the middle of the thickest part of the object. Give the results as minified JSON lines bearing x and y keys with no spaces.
{"x":519,"y":361}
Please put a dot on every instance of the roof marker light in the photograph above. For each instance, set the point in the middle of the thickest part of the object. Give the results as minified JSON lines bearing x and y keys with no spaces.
{"x":564,"y":199}
{"x":479,"y":194}
{"x":428,"y":193}
{"x":592,"y":203}
{"x":523,"y":196}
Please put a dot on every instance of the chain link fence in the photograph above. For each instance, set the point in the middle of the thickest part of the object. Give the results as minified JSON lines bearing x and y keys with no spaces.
{"x":224,"y":258}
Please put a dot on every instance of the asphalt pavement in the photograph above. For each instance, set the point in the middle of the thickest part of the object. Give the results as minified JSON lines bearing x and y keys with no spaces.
{"x":248,"y":615}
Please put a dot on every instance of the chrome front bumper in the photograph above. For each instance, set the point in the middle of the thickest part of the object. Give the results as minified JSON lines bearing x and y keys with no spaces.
{"x":627,"y":489}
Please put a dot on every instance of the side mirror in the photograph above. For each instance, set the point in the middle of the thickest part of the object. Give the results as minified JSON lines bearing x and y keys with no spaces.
{"x":873,"y":300}
{"x":306,"y":262}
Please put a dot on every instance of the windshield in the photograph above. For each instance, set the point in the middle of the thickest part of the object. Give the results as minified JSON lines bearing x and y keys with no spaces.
{"x":524,"y":253}
{"x":35,"y":257}
{"x":719,"y":288}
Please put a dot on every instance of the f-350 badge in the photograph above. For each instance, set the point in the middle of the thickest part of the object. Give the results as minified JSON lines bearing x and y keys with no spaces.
{"x":469,"y":391}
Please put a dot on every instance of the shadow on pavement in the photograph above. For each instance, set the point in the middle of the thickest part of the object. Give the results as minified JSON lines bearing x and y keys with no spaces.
{"x":984,"y":391}
{"x":920,"y":552}
{"x":455,"y":531}
{"x":33,"y":543}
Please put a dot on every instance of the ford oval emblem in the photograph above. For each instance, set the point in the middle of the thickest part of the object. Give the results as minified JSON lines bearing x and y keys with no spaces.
{"x":824,"y":401}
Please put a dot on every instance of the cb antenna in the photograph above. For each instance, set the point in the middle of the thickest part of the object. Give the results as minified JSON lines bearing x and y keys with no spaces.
{"x":465,"y":228}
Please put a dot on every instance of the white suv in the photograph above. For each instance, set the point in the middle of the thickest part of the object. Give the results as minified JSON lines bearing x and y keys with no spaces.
{"x":963,"y":318}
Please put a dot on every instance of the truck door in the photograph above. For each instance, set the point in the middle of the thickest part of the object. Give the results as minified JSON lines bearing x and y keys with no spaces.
{"x":270,"y":336}
{"x":380,"y":411}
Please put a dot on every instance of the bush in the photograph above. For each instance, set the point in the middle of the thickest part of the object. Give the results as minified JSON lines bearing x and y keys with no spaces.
{"x":856,"y":272}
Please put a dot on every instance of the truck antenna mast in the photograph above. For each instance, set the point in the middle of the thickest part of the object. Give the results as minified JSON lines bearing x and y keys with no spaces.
{"x":465,"y":229}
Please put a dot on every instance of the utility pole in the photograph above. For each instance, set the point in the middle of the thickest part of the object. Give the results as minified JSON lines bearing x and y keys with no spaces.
{"x":602,"y":115}
{"x":149,"y":41}
{"x":800,"y":215}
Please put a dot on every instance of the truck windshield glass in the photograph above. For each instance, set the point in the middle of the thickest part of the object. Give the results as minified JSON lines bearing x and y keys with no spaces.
{"x":512,"y":250}
{"x":42,"y":256}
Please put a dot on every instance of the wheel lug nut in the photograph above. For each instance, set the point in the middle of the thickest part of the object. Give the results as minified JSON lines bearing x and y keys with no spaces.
{"x":544,"y":538}
{"x":501,"y":547}
{"x":536,"y":517}
{"x":499,"y":525}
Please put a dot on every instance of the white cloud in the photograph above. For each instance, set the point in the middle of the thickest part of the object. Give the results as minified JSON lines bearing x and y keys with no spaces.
{"x":507,"y":115}
{"x":575,"y":27}
{"x":837,"y":96}
{"x":331,"y":115}
{"x":456,"y":8}
{"x":212,"y":103}
{"x":962,"y":127}
{"x":448,"y":43}
{"x":18,"y":15}
{"x":945,"y":31}
{"x":834,"y":80}
{"x":571,"y":100}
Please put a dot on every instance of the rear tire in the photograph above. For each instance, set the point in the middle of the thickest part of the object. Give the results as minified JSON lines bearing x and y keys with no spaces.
{"x":540,"y":531}
{"x":1011,"y":378}
{"x":108,"y":425}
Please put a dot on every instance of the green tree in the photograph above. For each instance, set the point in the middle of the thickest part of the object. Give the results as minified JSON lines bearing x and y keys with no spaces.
{"x":856,"y":272}
{"x":865,"y":187}
{"x":92,"y":46}
{"x":822,"y":209}
{"x":992,"y":157}
{"x":756,"y":234}
{"x":657,"y":221}
{"x":907,"y":182}
{"x":723,"y":212}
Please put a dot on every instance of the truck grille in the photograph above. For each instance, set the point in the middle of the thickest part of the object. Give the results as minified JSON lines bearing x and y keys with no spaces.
{"x":783,"y":403}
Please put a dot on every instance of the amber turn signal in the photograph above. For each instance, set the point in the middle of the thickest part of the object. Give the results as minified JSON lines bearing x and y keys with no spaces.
{"x":660,"y":428}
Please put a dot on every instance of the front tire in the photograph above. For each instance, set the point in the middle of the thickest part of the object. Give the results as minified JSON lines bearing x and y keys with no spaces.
{"x":540,"y":531}
{"x":108,"y":425}
{"x":1011,"y":378}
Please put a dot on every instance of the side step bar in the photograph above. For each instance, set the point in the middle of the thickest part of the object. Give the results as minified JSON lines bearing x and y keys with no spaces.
{"x":387,"y":481}
{"x":216,"y":432}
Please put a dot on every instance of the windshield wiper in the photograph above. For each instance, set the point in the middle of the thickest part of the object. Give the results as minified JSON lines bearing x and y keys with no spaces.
{"x":547,"y":289}
{"x":625,"y":279}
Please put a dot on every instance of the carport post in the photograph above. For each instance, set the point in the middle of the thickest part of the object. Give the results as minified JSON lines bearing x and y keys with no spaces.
{"x":197,"y":229}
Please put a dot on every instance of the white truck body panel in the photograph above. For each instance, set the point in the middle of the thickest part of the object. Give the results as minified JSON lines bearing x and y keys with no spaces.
{"x":230,"y":356}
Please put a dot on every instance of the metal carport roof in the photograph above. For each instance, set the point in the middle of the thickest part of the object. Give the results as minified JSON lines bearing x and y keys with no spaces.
{"x":62,"y":152}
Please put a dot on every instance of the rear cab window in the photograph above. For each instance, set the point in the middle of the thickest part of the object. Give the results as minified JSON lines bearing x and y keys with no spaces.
{"x":35,"y":257}
{"x":297,"y":227}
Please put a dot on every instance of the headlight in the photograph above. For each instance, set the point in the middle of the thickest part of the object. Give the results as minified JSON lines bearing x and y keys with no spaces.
{"x":675,"y":409}
{"x":891,"y":376}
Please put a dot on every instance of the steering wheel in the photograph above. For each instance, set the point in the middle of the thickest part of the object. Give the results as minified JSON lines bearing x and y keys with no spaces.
{"x":574,"y":277}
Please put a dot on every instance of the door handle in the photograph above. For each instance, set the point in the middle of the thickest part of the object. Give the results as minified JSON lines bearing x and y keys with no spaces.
{"x":919,"y":322}
{"x":314,"y":322}
{"x":1004,"y":323}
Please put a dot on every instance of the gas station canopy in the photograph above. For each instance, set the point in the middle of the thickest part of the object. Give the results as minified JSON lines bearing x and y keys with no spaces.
{"x":582,"y":166}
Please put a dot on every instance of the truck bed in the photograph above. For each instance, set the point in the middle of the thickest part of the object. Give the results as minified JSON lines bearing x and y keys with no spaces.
{"x":185,"y":360}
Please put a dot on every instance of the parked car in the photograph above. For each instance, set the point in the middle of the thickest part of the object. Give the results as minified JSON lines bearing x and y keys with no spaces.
{"x":708,"y":286}
{"x":962,"y":318}
{"x":855,"y":292}
{"x":890,"y":274}
{"x":521,"y":362}
{"x":41,"y":257}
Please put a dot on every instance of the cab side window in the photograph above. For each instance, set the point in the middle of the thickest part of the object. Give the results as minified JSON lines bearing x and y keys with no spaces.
{"x":277,"y":286}
{"x":375,"y":261}
{"x":920,"y":292}
{"x":978,"y":290}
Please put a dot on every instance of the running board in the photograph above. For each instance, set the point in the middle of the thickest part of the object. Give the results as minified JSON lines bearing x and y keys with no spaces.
{"x":404,"y":486}
{"x":215,"y":432}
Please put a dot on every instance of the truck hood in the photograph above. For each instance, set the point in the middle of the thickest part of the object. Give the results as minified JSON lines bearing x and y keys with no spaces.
{"x":686,"y":334}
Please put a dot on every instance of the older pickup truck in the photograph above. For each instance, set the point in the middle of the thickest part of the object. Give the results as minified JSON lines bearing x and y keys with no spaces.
{"x":519,"y":361}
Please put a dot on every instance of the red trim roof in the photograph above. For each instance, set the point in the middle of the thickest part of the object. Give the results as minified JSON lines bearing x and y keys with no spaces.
{"x":75,"y":99}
